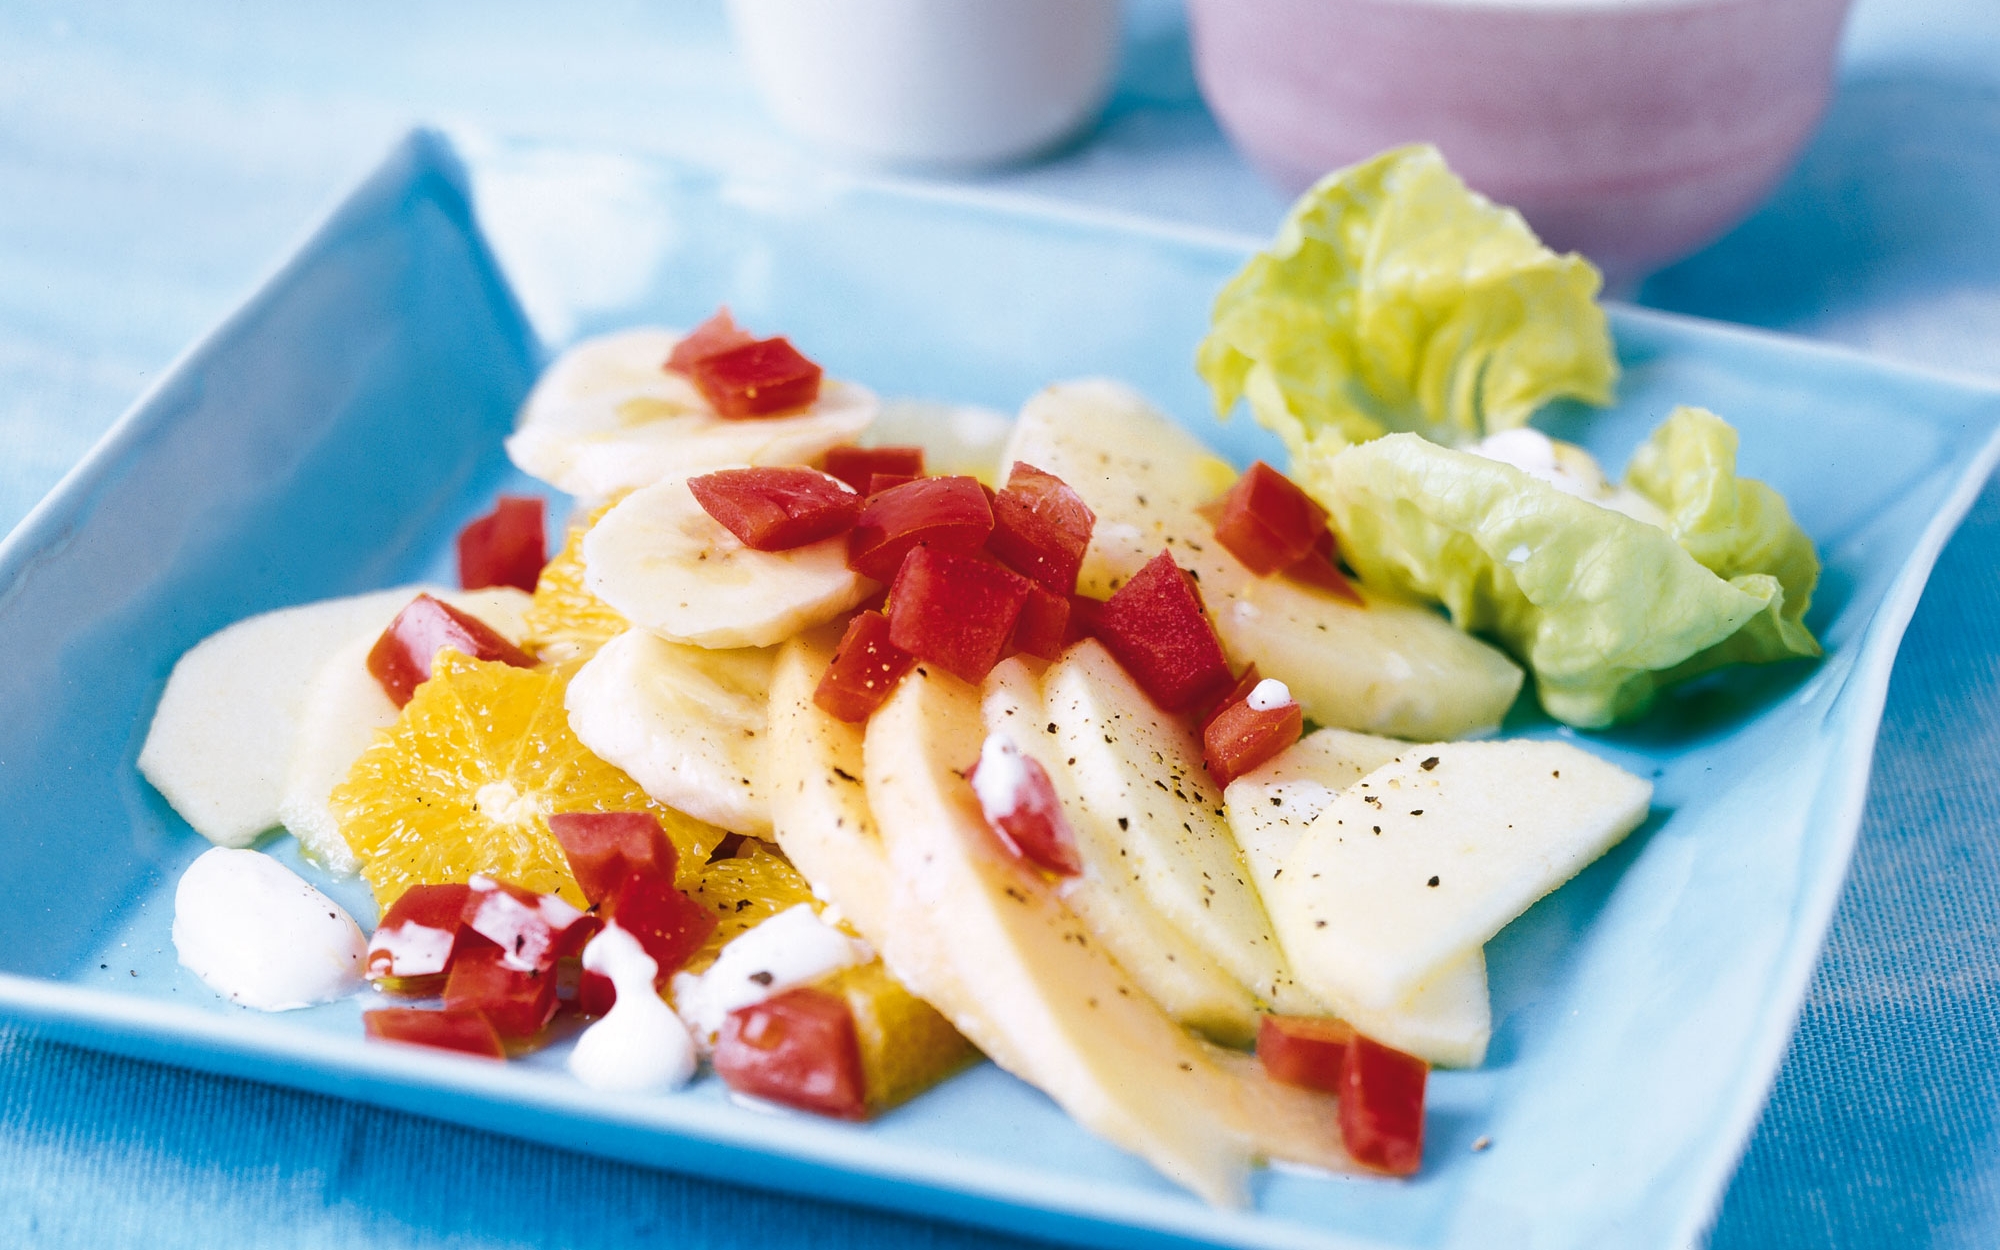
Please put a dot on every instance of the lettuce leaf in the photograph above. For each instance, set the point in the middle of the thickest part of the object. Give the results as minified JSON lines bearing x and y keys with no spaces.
{"x":1396,"y":299}
{"x":1605,"y":610}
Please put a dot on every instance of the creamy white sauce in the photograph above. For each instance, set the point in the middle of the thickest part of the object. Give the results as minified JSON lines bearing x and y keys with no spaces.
{"x":258,"y":934}
{"x":640,"y":1046}
{"x":414,"y":950}
{"x":1000,"y":777}
{"x":523,"y":933}
{"x":793,"y":948}
{"x":1268,"y":694}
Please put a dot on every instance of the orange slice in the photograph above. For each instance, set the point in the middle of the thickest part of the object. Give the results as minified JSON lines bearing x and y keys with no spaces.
{"x":566,"y":621}
{"x":466,"y":780}
{"x":743,"y":891}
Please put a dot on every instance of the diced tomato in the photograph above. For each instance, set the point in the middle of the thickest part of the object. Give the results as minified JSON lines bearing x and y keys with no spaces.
{"x":957,"y":611}
{"x":518,"y":1002}
{"x":719,"y":333}
{"x":1267,"y":522}
{"x":667,"y":923}
{"x":1206,"y":712}
{"x":1042,"y":629}
{"x":1041,"y":528}
{"x":401,"y":658}
{"x":777,"y":509}
{"x":1382,"y":1106}
{"x":526,"y":926}
{"x":1021,"y":807}
{"x":506,"y":547}
{"x":942,"y":513}
{"x":1320,"y":568}
{"x":1242,"y":737}
{"x":595,"y":993}
{"x":1156,"y":628}
{"x":417,"y":934}
{"x":1304,"y":1050}
{"x":761,"y":378}
{"x":467,"y":1032}
{"x":865,"y":669}
{"x":1084,"y":614}
{"x":798,"y":1049}
{"x":879,"y":482}
{"x":856,"y":465}
{"x":604,"y":848}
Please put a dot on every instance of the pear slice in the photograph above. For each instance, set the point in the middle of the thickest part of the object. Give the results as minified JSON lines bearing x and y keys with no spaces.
{"x":1109,"y":896}
{"x":1391,"y":667}
{"x":1449,"y":1020}
{"x":1138,"y":773}
{"x":984,"y":938}
{"x":1426,"y":858}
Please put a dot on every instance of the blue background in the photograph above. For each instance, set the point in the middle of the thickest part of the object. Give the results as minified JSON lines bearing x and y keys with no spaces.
{"x":154,"y":163}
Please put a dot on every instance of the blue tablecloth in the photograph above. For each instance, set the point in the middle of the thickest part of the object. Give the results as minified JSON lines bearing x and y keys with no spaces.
{"x":155,"y":159}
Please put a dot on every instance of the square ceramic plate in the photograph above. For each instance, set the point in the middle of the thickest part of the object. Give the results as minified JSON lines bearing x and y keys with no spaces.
{"x":334,"y":433}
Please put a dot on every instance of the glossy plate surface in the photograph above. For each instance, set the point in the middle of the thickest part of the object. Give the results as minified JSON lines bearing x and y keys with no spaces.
{"x":333,"y":435}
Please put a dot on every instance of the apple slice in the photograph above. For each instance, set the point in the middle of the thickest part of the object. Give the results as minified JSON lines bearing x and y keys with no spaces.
{"x":1426,"y":858}
{"x":1109,"y":896}
{"x":1138,"y":770}
{"x":985,"y":939}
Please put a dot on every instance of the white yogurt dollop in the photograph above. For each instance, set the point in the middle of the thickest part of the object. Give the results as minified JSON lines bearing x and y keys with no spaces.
{"x":793,"y":948}
{"x":640,"y":1046}
{"x":258,"y":934}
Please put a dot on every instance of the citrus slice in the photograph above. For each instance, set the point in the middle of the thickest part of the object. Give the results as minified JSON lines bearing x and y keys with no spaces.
{"x":566,"y":621}
{"x":743,"y":891}
{"x":467,"y":778}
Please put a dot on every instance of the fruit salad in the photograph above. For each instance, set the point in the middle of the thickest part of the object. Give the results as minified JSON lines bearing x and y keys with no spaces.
{"x":812,"y":759}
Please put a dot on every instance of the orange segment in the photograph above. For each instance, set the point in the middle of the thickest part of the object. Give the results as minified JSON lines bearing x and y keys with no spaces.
{"x":743,"y":891}
{"x":566,"y":621}
{"x":467,"y":778}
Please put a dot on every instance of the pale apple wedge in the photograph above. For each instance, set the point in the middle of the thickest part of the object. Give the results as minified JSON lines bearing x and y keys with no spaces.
{"x":984,"y":938}
{"x":1449,"y":1020}
{"x":1109,"y":895}
{"x":1428,"y":857}
{"x":1137,"y":773}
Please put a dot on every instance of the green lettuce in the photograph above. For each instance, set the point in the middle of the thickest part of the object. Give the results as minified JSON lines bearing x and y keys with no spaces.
{"x":1396,"y":299}
{"x":1605,"y":610}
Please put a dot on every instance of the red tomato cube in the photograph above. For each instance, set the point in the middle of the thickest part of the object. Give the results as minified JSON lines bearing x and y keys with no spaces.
{"x":879,"y":482}
{"x":865,"y":669}
{"x":1041,"y":528}
{"x":1084,"y":614}
{"x":957,"y":611}
{"x":667,"y":923}
{"x":519,"y":1003}
{"x":798,"y":1049}
{"x":942,"y":513}
{"x":1304,"y":1050}
{"x":1382,"y":1106}
{"x":401,"y":658}
{"x":416,"y":936}
{"x":777,"y":509}
{"x":857,"y":465}
{"x":595,"y":993}
{"x":604,"y":848}
{"x":526,"y":926}
{"x":1242,"y":737}
{"x":1156,"y":628}
{"x":761,"y":378}
{"x":467,"y":1032}
{"x":1020,"y":805}
{"x":1042,"y":629}
{"x":718,"y":334}
{"x":506,"y":547}
{"x":1267,"y":522}
{"x":1235,"y":694}
{"x":1320,"y":568}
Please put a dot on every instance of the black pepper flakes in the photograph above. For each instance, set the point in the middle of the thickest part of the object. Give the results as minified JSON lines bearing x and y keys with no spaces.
{"x":1432,"y":883}
{"x":1429,"y":764}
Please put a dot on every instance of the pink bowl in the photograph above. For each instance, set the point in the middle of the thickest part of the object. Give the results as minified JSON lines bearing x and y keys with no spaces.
{"x":1634,"y":131}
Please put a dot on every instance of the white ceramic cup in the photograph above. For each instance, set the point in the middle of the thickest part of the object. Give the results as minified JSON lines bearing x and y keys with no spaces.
{"x":947,"y":84}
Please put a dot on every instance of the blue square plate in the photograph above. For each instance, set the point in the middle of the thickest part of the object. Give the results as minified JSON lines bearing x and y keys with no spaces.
{"x":334,"y":434}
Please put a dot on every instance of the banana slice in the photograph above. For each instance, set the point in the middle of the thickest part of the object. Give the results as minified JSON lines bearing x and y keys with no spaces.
{"x":668,"y":566}
{"x":607,"y":417}
{"x":688,"y":724}
{"x":343,"y":710}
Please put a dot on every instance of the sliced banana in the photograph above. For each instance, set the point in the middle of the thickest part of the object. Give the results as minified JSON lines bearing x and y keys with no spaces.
{"x":668,"y":566}
{"x":607,"y":417}
{"x":345,"y":707}
{"x":688,"y":724}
